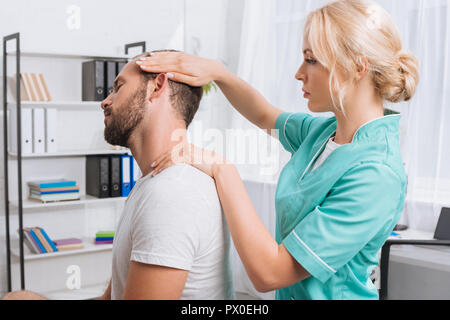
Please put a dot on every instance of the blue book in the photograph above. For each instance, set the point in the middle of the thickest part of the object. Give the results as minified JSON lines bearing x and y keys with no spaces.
{"x":48,"y":239}
{"x":52,"y":192}
{"x":41,"y":247}
{"x":52,"y":183}
{"x":104,"y":239}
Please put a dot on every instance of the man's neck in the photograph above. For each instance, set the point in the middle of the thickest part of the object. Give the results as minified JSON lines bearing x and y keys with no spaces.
{"x":147,"y":144}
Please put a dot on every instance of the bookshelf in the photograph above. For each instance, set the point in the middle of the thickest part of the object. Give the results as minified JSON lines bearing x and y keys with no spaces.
{"x":84,"y":200}
{"x":55,"y":55}
{"x":89,"y":246}
{"x":22,"y":205}
{"x":57,"y":104}
{"x":84,"y":293}
{"x":69,"y":153}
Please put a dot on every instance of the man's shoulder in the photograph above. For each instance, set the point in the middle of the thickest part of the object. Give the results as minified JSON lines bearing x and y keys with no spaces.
{"x":179,"y":183}
{"x":182,"y":175}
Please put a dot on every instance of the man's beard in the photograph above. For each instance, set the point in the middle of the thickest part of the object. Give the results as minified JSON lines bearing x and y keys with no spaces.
{"x":126,"y":119}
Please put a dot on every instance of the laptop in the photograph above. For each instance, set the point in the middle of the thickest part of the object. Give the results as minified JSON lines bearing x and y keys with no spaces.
{"x":443,"y":227}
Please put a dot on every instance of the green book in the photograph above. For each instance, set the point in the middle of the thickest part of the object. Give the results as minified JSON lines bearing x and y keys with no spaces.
{"x":105,"y":234}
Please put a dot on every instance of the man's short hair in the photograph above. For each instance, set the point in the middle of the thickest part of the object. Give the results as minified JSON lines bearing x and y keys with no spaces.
{"x":184,"y":98}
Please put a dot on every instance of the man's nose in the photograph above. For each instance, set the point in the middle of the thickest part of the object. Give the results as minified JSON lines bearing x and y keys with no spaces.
{"x":107,"y":102}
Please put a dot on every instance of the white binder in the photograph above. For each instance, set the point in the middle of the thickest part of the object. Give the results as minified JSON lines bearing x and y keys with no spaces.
{"x":38,"y":131}
{"x":50,"y":130}
{"x":27,"y":133}
{"x":137,"y":174}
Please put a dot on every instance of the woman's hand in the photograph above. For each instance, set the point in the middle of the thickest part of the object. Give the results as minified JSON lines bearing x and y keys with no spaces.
{"x":183,"y":67}
{"x":204,"y":160}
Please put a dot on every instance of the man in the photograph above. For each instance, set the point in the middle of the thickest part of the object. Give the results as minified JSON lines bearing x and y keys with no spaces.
{"x":172,"y":241}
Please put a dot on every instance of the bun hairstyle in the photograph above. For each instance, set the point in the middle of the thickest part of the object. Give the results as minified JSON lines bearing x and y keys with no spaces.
{"x":401,"y":84}
{"x":344,"y":33}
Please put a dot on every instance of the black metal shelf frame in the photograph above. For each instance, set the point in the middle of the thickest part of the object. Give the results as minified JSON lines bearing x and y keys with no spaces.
{"x":12,"y":37}
{"x":17,"y":54}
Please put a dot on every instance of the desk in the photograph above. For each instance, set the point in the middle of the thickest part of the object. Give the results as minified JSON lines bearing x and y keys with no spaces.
{"x":418,"y":272}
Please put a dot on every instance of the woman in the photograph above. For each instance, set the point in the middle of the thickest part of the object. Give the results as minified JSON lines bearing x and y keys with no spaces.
{"x":341,"y":194}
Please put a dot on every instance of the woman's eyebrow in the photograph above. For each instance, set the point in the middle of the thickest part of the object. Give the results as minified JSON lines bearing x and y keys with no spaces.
{"x":307,"y":50}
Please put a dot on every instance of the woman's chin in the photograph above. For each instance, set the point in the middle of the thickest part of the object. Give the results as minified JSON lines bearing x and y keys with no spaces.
{"x":313,"y":107}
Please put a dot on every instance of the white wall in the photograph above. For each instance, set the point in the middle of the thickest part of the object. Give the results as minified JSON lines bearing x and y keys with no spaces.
{"x":207,"y":28}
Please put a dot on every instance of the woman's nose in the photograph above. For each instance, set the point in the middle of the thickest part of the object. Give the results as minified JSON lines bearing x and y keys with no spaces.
{"x":300,"y":75}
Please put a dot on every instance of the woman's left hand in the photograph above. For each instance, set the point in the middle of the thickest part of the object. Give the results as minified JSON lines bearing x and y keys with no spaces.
{"x":204,"y":160}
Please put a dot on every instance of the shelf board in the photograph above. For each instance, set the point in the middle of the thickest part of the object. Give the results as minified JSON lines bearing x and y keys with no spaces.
{"x":84,"y":293}
{"x":85,"y":199}
{"x":70,"y":153}
{"x":58,"y":104}
{"x":67,"y":56}
{"x":89,"y":246}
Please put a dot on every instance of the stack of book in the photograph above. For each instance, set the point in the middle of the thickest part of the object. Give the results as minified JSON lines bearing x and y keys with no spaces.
{"x":54,"y":190}
{"x":38,"y":241}
{"x":104,"y":237}
{"x":68,"y":244}
{"x":32,"y":87}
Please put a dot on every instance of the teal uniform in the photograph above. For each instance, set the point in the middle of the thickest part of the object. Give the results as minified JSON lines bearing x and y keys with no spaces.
{"x":335,"y":219}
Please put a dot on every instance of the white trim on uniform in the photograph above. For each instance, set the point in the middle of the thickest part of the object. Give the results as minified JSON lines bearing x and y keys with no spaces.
{"x":313,"y":253}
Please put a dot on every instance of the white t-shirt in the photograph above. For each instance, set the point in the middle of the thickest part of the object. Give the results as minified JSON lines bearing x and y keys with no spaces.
{"x":175,"y":220}
{"x":330,"y":147}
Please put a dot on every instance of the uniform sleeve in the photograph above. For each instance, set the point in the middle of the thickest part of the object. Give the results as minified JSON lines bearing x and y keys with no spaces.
{"x":365,"y":201}
{"x":293,"y":129}
{"x":165,"y":230}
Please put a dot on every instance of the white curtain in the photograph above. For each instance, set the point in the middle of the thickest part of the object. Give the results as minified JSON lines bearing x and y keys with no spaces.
{"x":425,"y":26}
{"x":270,"y":54}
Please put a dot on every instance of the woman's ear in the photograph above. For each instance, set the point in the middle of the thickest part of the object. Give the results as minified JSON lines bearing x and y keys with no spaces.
{"x":159,"y":86}
{"x":362,"y":67}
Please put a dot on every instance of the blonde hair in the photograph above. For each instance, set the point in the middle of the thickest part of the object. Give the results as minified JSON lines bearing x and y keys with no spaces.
{"x":344,"y":32}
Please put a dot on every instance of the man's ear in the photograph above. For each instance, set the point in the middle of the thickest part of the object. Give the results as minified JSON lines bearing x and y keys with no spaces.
{"x":159,"y":86}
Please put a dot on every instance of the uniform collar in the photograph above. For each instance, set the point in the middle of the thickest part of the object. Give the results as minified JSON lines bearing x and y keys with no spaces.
{"x":389,"y":124}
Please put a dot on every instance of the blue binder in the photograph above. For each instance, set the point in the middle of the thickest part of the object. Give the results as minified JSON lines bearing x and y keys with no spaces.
{"x":133,"y":182}
{"x":135,"y":172}
{"x":126,"y":179}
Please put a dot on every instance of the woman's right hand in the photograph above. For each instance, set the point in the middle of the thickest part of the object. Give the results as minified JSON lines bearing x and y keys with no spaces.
{"x":182,"y":67}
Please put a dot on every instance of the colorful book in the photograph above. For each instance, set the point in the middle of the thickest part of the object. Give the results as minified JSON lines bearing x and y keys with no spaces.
{"x":50,"y":242}
{"x":104,"y":242}
{"x":74,"y":189}
{"x":45,"y":88}
{"x":63,"y":242}
{"x":36,"y":239}
{"x":56,"y":197}
{"x":105,"y":234}
{"x":52,"y":183}
{"x":51,"y":192}
{"x":104,"y":239}
{"x":67,"y":247}
{"x":32,"y":245}
{"x":42,"y":239}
